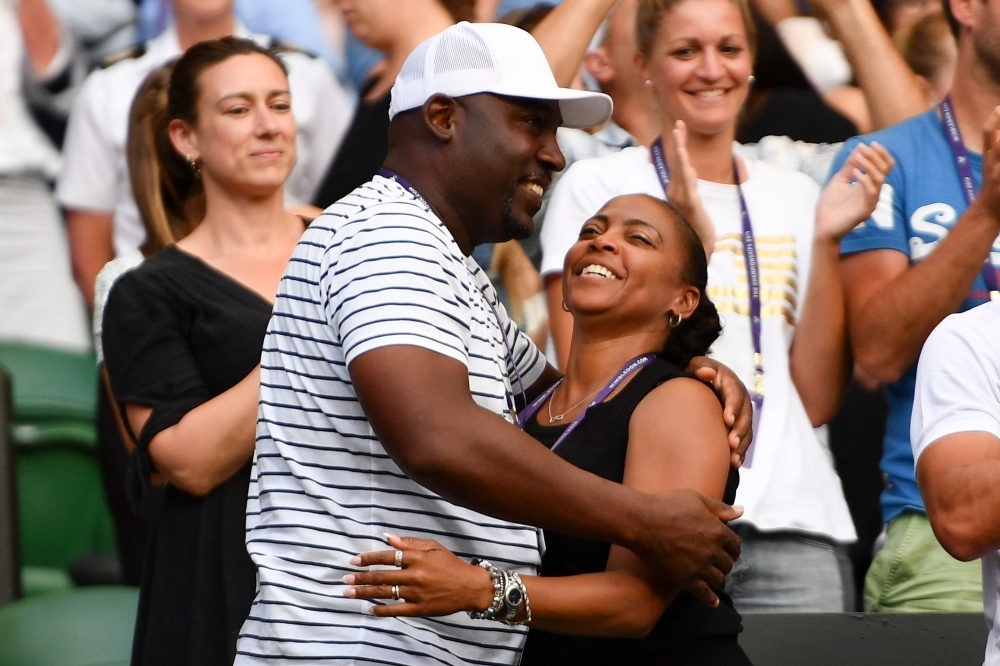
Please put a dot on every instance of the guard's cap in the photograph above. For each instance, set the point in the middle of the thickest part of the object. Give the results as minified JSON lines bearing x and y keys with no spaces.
{"x":473,"y":58}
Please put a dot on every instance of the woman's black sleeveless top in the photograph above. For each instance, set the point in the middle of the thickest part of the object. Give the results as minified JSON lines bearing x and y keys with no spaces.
{"x":687,"y":627}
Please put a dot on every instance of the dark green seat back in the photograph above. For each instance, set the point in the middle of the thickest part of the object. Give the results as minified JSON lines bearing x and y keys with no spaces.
{"x":76,"y":628}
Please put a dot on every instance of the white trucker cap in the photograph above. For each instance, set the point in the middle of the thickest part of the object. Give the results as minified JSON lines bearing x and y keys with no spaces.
{"x":473,"y":58}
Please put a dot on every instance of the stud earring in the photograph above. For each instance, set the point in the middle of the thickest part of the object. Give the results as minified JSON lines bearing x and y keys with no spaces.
{"x":751,"y":79}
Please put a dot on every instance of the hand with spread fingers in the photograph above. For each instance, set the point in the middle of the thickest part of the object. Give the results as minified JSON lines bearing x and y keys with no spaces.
{"x":683,"y":188}
{"x":430,"y":580}
{"x":853,"y":192}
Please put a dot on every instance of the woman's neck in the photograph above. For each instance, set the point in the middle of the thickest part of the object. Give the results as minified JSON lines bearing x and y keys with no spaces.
{"x":595,"y":360}
{"x":638,"y":115}
{"x":238,"y":224}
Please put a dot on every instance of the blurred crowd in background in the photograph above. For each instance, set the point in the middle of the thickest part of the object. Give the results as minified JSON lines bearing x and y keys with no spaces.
{"x":824,"y":70}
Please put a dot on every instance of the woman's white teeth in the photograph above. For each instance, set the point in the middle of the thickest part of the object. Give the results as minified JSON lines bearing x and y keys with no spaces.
{"x":535,"y":187}
{"x":594,"y":269}
{"x":711,"y":93}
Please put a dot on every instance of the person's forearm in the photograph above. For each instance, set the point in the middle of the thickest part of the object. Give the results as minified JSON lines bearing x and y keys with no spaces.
{"x":212,"y":442}
{"x":460,"y":462}
{"x":775,"y":11}
{"x":888,"y":83}
{"x":560,"y":321}
{"x":42,"y":34}
{"x":90,"y":247}
{"x":888,"y":330}
{"x":614,"y":604}
{"x":850,"y":102}
{"x":820,"y":364}
{"x":566,"y":33}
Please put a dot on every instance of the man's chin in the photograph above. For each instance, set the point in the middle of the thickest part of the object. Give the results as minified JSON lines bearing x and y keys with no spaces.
{"x":516,"y":229}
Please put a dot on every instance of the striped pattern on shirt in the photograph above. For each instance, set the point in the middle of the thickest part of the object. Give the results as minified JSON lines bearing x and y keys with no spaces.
{"x":378,"y":268}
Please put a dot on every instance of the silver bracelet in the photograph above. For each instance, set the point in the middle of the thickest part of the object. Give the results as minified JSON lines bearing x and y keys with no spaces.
{"x":499,"y":578}
{"x":512,"y":609}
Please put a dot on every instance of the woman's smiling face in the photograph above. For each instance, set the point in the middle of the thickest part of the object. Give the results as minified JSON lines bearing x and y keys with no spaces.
{"x":700,"y":64}
{"x":628,"y":264}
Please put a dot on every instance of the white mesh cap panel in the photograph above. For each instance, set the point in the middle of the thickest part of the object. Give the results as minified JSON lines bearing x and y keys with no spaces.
{"x":461,"y":50}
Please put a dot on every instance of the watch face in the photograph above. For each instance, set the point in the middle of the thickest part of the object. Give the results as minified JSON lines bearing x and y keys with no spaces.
{"x":514,"y":597}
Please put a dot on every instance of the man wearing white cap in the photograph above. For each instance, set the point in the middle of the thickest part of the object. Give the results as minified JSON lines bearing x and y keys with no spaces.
{"x":390,"y":371}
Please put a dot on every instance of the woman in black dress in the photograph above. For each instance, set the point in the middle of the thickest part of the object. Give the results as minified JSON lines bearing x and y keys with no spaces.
{"x":183,"y":335}
{"x":634,"y":283}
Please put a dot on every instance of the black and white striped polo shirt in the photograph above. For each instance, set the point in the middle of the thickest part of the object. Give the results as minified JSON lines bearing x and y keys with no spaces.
{"x":378,"y":268}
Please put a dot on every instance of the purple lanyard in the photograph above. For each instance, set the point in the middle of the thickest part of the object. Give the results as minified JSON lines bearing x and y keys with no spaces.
{"x":508,"y":393}
{"x":962,"y":164}
{"x":753,"y":282}
{"x":623,"y":374}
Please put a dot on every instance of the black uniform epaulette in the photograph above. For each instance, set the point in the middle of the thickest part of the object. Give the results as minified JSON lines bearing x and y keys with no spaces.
{"x":130,"y":53}
{"x":289,"y":47}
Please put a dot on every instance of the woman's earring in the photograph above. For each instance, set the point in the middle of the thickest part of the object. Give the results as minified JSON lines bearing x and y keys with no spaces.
{"x":674,"y":323}
{"x":564,"y":306}
{"x":194,"y":166}
{"x":751,"y":79}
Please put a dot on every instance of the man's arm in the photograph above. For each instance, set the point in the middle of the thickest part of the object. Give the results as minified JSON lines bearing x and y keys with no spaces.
{"x":959,"y":478}
{"x":90,"y":247}
{"x":955,"y":432}
{"x":889,"y":85}
{"x":42,"y":33}
{"x":892,"y":308}
{"x":820,"y":363}
{"x":565,"y":34}
{"x":446,"y":442}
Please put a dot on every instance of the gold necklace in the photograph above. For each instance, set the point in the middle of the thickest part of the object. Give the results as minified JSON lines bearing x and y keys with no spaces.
{"x":560,"y":417}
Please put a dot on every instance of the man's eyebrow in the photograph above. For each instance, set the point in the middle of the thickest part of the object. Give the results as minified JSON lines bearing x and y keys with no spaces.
{"x":637,"y":222}
{"x":538,"y":105}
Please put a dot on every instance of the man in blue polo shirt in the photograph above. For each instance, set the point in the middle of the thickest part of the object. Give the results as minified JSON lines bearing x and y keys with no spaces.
{"x":924,"y":254}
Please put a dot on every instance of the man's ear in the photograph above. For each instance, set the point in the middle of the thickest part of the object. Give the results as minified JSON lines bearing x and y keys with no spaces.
{"x":440,"y":112}
{"x":966,"y":12}
{"x":599,"y":65}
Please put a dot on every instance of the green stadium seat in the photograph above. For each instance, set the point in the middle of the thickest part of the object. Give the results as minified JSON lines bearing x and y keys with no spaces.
{"x":60,"y":498}
{"x":55,"y":395}
{"x":81,"y":627}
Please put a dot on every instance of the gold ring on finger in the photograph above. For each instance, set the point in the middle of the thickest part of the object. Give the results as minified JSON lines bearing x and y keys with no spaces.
{"x":395,"y":592}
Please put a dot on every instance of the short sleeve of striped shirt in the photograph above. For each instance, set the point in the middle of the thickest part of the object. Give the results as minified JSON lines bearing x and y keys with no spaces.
{"x":393,"y":279}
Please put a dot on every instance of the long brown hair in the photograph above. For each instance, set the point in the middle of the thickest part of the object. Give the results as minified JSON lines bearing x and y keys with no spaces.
{"x":168,"y":191}
{"x":650,"y":15}
{"x":165,"y":218}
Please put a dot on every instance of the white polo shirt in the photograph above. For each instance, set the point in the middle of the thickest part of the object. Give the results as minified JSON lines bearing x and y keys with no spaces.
{"x":792,"y":484}
{"x":95,"y":172}
{"x":958,"y":390}
{"x":377,"y":269}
